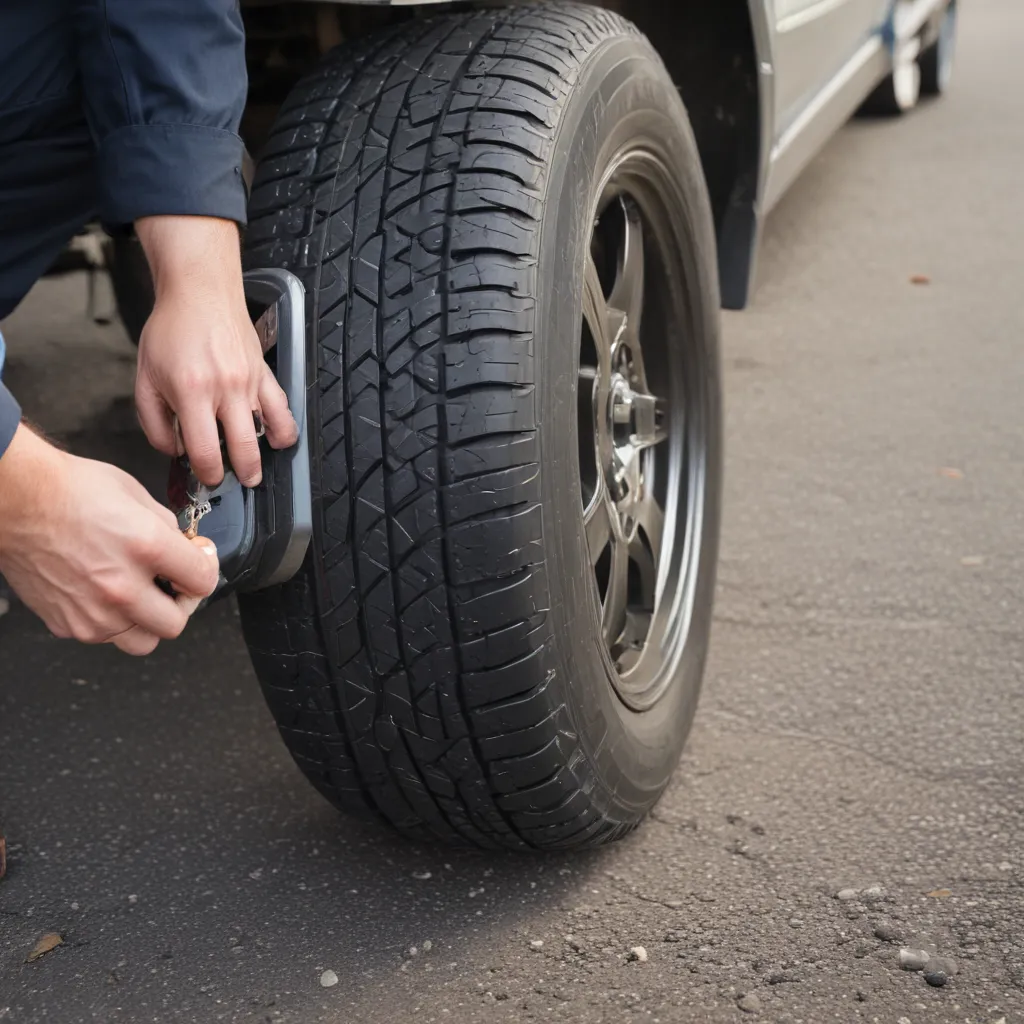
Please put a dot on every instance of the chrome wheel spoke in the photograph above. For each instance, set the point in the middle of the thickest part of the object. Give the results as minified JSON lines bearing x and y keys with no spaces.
{"x":634,"y":637}
{"x":626,"y":302}
{"x":595,"y":313}
{"x":651,"y":518}
{"x":646,"y":562}
{"x":616,"y":594}
{"x":598,"y":524}
{"x":645,"y":549}
{"x":628,"y":292}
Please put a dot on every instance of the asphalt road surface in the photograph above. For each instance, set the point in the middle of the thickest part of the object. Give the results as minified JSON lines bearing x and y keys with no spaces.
{"x":861,"y":730}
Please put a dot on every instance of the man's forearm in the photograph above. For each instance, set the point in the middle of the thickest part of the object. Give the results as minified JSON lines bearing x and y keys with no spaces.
{"x":198,"y":254}
{"x":26,"y":473}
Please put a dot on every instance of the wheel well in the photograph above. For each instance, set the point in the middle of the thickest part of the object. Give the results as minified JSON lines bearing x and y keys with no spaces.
{"x":710,"y":52}
{"x":708,"y":48}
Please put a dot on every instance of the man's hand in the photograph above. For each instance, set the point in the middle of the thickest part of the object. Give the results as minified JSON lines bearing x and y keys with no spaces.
{"x":82,"y":544}
{"x":199,"y":357}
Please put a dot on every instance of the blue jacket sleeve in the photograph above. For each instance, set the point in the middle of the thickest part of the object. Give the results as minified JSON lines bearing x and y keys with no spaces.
{"x":165,"y":85}
{"x":10,"y":417}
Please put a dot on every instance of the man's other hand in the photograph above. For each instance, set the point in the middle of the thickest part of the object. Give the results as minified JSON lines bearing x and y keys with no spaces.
{"x":83,"y":544}
{"x":200,"y":357}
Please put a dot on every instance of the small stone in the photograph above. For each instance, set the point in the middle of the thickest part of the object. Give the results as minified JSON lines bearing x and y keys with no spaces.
{"x":749,"y":1003}
{"x":782,"y":978}
{"x":862,"y":948}
{"x":422,"y":876}
{"x":939,"y":970}
{"x":637,"y":955}
{"x":886,"y":930}
{"x":328,"y":979}
{"x":796,"y":922}
{"x":913,"y":959}
{"x":872,"y":893}
{"x":673,"y":937}
{"x":845,"y":895}
{"x":537,"y":943}
{"x":427,"y":946}
{"x":133,"y":898}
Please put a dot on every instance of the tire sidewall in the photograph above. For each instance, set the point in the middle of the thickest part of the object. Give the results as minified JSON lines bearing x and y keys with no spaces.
{"x":623,"y":93}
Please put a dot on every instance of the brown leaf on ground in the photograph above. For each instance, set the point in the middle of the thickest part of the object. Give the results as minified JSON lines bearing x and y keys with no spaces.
{"x":46,"y":943}
{"x":920,"y":279}
{"x":940,"y":894}
{"x":951,"y":473}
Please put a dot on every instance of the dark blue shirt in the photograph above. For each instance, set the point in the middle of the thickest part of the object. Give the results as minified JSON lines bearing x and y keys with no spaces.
{"x":118,"y":109}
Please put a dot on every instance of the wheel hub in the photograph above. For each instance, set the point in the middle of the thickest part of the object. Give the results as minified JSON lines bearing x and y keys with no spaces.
{"x":633,"y":427}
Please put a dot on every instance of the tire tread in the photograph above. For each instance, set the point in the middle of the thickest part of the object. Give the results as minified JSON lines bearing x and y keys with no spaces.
{"x":409,"y":665}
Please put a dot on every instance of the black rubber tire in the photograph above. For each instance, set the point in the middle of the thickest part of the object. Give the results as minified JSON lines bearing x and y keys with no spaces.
{"x":436,"y":662}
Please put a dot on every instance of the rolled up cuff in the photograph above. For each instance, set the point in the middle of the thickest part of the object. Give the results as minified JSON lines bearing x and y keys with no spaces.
{"x":171,"y":170}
